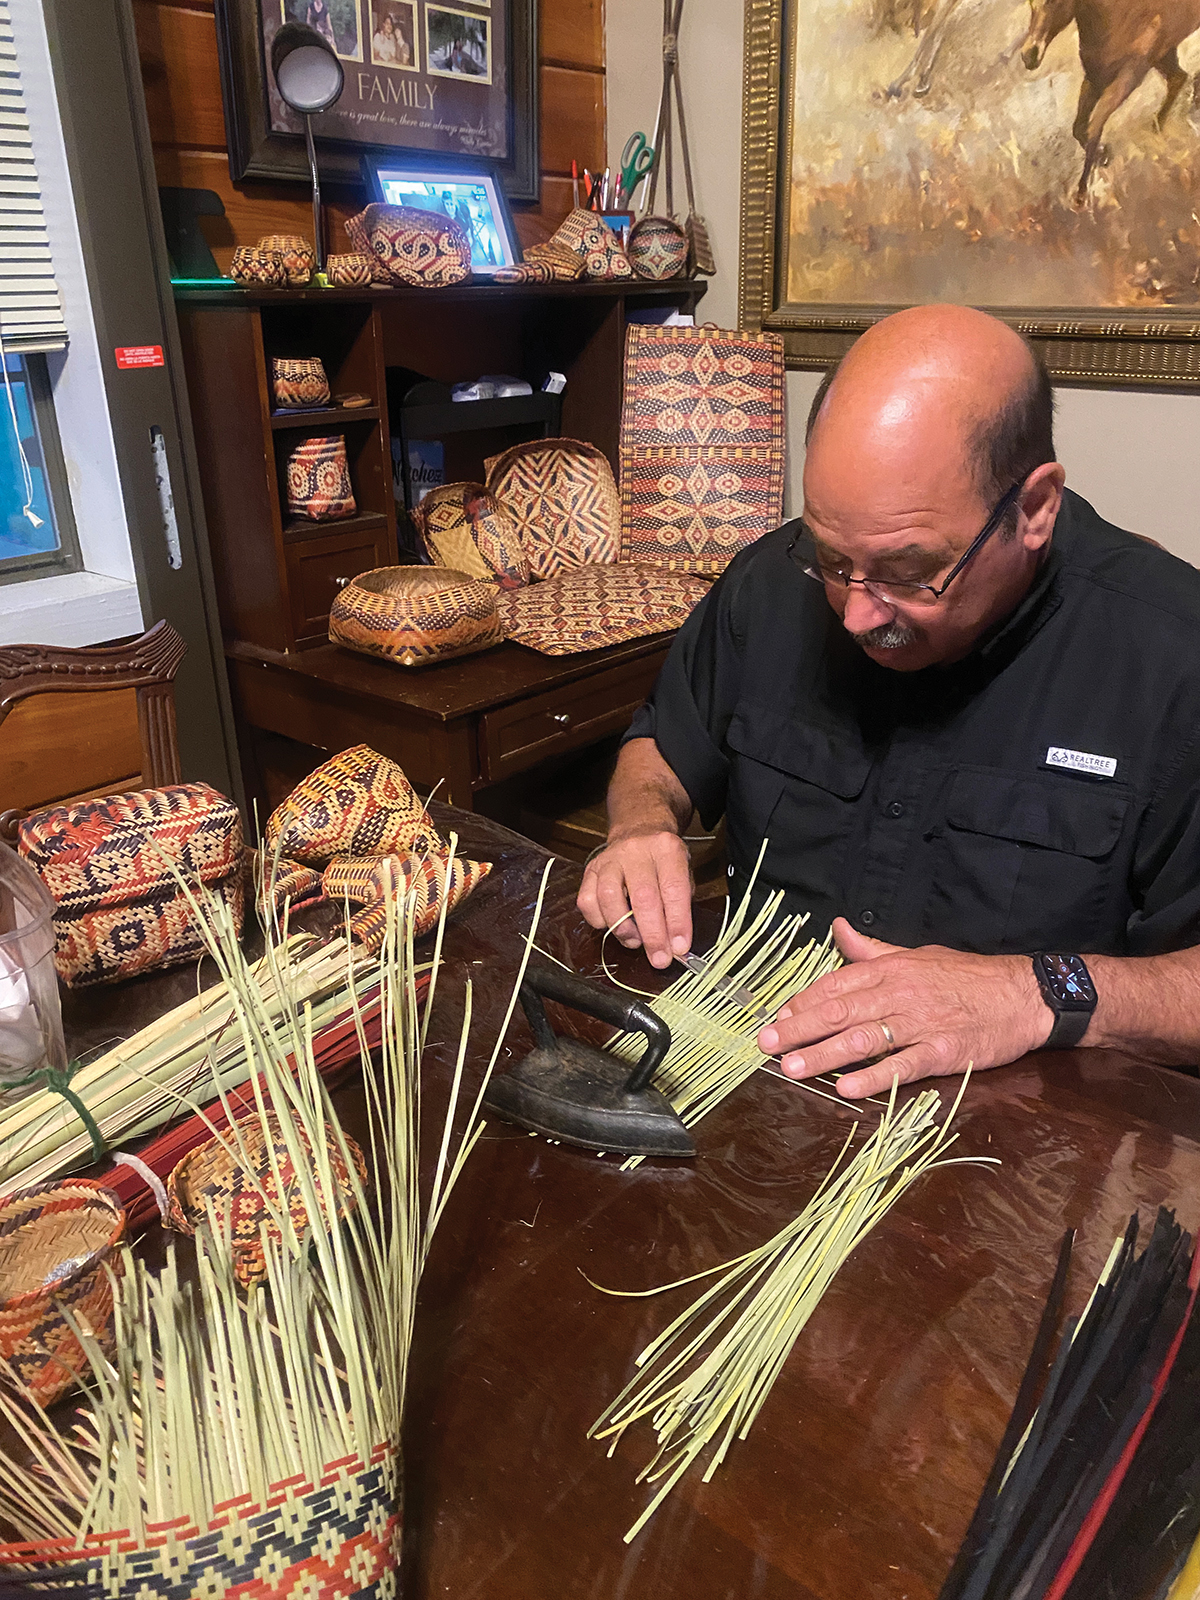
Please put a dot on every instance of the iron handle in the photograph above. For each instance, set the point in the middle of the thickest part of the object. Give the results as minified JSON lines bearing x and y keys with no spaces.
{"x":544,"y":979}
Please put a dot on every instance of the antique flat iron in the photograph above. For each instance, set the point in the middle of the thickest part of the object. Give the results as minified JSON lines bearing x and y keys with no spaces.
{"x":570,"y":1090}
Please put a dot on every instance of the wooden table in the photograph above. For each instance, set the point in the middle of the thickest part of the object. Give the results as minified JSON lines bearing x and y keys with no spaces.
{"x":472,"y":723}
{"x":863,"y":1468}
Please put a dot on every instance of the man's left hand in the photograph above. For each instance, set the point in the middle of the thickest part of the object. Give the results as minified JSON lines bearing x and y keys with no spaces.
{"x":943,"y":1009}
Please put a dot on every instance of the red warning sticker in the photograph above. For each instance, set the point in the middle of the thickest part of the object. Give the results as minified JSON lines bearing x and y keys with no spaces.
{"x":140,"y":355}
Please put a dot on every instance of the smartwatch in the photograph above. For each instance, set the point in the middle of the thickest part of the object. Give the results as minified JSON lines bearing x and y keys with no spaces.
{"x":1068,"y":990}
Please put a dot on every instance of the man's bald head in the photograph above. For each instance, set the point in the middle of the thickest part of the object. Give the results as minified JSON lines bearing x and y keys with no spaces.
{"x":929,"y":420}
{"x":949,"y":374}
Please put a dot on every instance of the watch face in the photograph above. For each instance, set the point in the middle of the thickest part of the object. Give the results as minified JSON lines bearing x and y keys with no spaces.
{"x":1068,"y":981}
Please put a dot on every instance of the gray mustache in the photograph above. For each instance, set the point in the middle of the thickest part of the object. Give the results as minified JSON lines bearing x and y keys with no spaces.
{"x":892,"y":635}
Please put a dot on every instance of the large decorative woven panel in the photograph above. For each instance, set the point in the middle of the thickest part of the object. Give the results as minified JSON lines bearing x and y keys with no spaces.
{"x":561,"y":495}
{"x":702,"y":445}
{"x":590,"y":607}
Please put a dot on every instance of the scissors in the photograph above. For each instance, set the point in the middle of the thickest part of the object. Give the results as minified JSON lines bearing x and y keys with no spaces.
{"x":636,"y":160}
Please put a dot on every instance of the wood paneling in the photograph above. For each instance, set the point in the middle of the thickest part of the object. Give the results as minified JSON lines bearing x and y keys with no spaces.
{"x":252,"y":209}
{"x":572,"y":31}
{"x":58,"y":745}
{"x":178,"y":52}
{"x":178,"y":48}
{"x":572,"y":119}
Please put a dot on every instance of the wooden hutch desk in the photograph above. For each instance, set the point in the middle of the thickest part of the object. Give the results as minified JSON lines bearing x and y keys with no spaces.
{"x":474,"y":722}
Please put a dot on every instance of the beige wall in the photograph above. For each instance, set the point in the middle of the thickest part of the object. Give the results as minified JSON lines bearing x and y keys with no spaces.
{"x":1135,"y":456}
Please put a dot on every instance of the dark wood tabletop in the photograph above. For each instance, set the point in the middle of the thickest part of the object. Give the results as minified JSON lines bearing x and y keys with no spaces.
{"x":863,"y":1468}
{"x":446,"y":689}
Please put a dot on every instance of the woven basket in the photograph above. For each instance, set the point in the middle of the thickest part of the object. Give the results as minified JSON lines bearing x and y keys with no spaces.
{"x":561,"y":497}
{"x":415,"y":615}
{"x":658,"y":248}
{"x":214,"y":1173}
{"x":466,"y":527}
{"x":338,"y":1537}
{"x":258,"y":268}
{"x":55,"y":1240}
{"x":299,"y":257}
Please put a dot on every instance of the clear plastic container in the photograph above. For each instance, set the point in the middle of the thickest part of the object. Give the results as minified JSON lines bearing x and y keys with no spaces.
{"x":31,"y":1030}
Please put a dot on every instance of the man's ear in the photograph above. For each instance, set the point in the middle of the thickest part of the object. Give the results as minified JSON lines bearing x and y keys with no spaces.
{"x":1040,"y":500}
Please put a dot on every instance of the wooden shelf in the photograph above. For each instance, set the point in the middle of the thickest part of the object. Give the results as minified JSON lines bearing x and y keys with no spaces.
{"x":303,"y":528}
{"x":466,"y":416}
{"x":295,"y":420}
{"x":484,"y":290}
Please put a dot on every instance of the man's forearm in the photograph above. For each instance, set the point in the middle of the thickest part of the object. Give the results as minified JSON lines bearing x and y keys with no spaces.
{"x":645,"y":796}
{"x":1149,"y":1006}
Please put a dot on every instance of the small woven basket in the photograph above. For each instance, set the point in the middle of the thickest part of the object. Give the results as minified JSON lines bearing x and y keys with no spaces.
{"x":214,"y":1172}
{"x":55,"y":1242}
{"x":415,"y":615}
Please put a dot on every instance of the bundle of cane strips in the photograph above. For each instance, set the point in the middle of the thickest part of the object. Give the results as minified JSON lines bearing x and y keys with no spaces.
{"x":705,"y":1379}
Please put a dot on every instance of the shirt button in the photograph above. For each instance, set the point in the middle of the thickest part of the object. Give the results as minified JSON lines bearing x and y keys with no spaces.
{"x":866,"y":918}
{"x":895,"y":809}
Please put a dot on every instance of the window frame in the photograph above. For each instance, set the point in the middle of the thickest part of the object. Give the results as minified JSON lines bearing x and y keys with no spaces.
{"x":67,"y":557}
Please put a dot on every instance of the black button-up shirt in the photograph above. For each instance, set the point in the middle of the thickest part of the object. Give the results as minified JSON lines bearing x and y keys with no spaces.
{"x":1039,"y":795}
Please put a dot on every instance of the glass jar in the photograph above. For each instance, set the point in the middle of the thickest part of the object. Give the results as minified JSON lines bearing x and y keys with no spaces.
{"x":31,"y":1030}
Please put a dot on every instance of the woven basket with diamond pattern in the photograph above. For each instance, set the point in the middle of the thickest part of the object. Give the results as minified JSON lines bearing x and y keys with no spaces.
{"x":216,"y":1173}
{"x":561,"y":496}
{"x":338,"y":1539}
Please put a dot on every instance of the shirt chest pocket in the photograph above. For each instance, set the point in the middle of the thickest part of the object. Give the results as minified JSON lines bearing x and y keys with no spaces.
{"x":796,"y":784}
{"x":1025,"y":862}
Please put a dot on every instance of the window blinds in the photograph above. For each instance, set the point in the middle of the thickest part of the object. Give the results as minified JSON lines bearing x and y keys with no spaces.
{"x":30,"y":309}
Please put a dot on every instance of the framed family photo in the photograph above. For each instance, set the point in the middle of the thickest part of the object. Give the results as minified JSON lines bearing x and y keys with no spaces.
{"x":394,"y":39}
{"x":903,"y":151}
{"x":447,"y":77}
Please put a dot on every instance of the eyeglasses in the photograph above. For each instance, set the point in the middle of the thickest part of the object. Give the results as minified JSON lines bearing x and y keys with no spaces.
{"x":803,"y":552}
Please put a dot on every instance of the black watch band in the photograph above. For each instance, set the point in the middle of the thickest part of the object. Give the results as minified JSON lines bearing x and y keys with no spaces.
{"x":1068,"y":990}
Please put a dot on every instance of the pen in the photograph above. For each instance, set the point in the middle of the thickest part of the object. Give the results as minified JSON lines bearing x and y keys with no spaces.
{"x":575,"y":183}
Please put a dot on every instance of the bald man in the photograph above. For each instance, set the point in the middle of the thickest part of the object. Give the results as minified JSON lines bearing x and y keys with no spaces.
{"x":964,"y":713}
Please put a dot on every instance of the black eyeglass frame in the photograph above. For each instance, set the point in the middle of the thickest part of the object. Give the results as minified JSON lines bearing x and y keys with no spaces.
{"x":1007,"y":500}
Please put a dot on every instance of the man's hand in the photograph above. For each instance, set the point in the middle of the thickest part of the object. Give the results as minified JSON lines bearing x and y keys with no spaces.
{"x":646,"y":870}
{"x":944,"y":1008}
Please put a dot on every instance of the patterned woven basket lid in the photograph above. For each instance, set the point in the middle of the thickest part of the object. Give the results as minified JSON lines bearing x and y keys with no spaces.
{"x":415,"y":615}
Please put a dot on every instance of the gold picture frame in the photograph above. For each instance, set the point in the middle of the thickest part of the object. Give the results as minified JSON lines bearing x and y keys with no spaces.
{"x":1099,"y":346}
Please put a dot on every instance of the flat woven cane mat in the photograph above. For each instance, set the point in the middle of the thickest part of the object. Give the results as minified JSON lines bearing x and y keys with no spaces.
{"x":589,"y":607}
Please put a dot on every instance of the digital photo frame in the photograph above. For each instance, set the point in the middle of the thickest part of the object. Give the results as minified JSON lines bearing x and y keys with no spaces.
{"x":468,"y":190}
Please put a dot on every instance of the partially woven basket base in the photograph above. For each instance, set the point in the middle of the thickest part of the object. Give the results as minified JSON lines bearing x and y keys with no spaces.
{"x":329,"y":1541}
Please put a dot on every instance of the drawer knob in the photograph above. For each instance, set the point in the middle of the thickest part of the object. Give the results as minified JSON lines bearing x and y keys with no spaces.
{"x":342,"y":582}
{"x":562,"y":718}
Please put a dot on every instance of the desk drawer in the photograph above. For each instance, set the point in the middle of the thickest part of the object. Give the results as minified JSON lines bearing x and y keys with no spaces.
{"x":518,"y":736}
{"x":318,"y":568}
